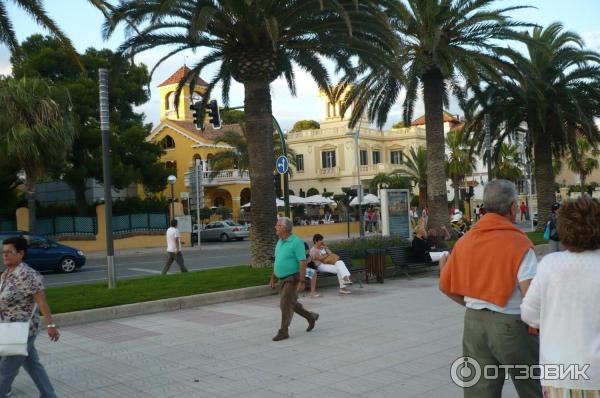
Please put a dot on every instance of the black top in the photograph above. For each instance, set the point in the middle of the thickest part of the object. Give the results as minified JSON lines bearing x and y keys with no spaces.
{"x":420,"y":249}
{"x":436,"y":243}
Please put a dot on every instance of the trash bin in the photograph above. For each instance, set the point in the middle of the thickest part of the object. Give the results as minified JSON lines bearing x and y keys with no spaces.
{"x":375,"y":264}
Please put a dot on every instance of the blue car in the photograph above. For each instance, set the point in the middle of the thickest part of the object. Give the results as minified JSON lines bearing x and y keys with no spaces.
{"x":44,"y":254}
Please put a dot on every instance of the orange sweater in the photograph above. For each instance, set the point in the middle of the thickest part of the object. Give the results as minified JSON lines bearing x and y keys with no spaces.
{"x":485,"y":262}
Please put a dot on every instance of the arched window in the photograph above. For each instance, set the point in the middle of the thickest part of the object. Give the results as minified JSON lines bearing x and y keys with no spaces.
{"x":170,"y":101}
{"x":197,"y":158}
{"x":168,"y":142}
{"x":171,"y":165}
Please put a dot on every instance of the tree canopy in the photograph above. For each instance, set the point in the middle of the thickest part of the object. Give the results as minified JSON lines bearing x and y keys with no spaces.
{"x":305,"y":125}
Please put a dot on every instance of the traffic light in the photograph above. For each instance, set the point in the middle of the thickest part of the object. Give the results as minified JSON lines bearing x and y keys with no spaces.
{"x":214,"y":117}
{"x":198,"y":119}
{"x":277,"y":185}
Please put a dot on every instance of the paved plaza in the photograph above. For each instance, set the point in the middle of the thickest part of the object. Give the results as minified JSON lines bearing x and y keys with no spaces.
{"x":392,"y":340}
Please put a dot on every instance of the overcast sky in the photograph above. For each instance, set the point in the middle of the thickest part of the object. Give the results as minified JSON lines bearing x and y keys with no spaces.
{"x":81,"y":22}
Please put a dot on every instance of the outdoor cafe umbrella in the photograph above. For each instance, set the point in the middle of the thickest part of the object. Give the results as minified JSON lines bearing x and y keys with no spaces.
{"x":318,"y":200}
{"x":278,"y":203}
{"x":368,"y":199}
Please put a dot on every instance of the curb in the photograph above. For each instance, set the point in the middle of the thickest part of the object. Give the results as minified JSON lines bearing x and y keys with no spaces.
{"x":151,"y":307}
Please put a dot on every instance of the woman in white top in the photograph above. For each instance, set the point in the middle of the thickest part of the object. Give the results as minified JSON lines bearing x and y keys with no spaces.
{"x":319,"y":253}
{"x":563,"y":301}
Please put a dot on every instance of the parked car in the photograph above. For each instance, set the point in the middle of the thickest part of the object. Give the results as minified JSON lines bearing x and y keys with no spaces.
{"x":44,"y":254}
{"x":224,"y":231}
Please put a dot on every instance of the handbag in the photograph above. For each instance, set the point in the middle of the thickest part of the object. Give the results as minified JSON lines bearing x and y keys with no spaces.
{"x":14,"y":335}
{"x":331,"y":258}
{"x":547,"y":231}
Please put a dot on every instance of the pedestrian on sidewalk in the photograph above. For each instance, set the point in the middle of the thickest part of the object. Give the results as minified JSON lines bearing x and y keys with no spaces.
{"x":174,"y":249}
{"x":489,"y":272}
{"x":290,"y":263}
{"x":21,"y":294}
{"x":562,"y":302}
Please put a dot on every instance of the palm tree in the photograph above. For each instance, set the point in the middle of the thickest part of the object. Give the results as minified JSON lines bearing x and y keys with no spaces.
{"x":35,"y":132}
{"x":442,"y":40}
{"x":36,"y":11}
{"x":415,"y":167}
{"x":509,"y":165}
{"x":582,"y":160}
{"x":555,"y":91}
{"x":460,"y":160}
{"x":256,"y":42}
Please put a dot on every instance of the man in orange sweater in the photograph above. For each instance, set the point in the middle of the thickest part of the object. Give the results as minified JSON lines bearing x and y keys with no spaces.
{"x":489,"y":272}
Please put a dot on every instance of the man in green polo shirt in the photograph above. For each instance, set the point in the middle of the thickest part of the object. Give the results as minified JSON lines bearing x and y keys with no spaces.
{"x":290,"y":263}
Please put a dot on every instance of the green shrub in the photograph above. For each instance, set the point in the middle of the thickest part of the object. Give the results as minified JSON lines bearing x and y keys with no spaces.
{"x":358,"y":246}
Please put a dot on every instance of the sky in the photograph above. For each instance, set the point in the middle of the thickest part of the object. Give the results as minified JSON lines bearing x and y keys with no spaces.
{"x":81,"y":22}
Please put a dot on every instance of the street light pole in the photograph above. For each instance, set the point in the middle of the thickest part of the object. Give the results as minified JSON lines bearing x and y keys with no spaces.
{"x":105,"y":129}
{"x":356,"y":134}
{"x":171,"y":180}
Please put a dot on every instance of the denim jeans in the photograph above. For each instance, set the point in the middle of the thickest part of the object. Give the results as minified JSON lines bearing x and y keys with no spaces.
{"x":9,"y":367}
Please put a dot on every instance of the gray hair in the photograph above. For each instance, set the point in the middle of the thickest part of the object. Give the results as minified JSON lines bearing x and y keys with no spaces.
{"x":288,"y":223}
{"x":499,"y":195}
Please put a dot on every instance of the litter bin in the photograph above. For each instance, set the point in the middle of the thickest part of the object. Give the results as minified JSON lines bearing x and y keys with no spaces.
{"x":375,"y":264}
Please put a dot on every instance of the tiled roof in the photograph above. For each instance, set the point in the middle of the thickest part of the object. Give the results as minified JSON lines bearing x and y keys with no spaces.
{"x":209,"y":133}
{"x":178,"y":75}
{"x":448,"y":117}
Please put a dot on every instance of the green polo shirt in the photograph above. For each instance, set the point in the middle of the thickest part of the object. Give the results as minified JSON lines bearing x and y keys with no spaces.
{"x":288,"y":254}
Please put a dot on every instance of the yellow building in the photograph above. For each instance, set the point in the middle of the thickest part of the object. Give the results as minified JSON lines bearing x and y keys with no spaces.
{"x":185,"y":144}
{"x":327,"y":157}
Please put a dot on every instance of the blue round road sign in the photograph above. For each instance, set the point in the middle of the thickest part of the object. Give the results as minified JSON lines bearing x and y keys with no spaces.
{"x":282,"y":164}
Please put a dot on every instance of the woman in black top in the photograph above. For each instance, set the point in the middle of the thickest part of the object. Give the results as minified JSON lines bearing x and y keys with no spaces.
{"x":420,"y":247}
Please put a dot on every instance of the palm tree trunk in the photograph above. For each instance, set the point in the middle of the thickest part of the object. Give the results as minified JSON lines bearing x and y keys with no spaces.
{"x":259,"y":134}
{"x":80,"y":202}
{"x":544,"y":178}
{"x":582,"y":182}
{"x":437,"y":198}
{"x":456,"y":194}
{"x":422,"y":196}
{"x":31,"y":205}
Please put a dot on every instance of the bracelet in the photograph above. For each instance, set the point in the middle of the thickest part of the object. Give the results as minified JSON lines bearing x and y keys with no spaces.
{"x":51,"y":326}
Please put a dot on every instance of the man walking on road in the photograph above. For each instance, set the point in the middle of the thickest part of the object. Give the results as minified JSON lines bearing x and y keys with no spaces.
{"x":489,"y":272}
{"x":174,"y":249}
{"x":290,"y":264}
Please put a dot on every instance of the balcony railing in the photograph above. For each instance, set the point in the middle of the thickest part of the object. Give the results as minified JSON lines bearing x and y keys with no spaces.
{"x":329,"y":172}
{"x":223,"y":176}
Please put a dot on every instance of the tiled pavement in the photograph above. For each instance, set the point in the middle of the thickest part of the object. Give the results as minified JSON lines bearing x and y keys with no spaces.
{"x":392,"y":340}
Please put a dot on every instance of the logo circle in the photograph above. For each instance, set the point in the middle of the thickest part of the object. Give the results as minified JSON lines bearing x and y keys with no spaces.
{"x":465,"y":372}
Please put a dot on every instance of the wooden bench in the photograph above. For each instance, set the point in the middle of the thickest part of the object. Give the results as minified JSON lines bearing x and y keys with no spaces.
{"x":403,"y":260}
{"x":346,"y":257}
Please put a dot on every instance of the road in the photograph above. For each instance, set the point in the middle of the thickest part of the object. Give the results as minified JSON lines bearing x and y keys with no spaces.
{"x":145,"y":262}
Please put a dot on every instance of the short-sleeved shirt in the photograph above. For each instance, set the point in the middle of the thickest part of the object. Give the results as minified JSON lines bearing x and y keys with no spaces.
{"x":16,"y":296}
{"x":172,"y":235}
{"x":527,"y":270}
{"x":288,"y":254}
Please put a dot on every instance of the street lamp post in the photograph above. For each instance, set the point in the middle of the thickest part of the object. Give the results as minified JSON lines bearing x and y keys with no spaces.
{"x":171,"y":180}
{"x":356,"y":134}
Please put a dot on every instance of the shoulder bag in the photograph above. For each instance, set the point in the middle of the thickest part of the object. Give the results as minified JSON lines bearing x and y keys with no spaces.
{"x":14,"y":335}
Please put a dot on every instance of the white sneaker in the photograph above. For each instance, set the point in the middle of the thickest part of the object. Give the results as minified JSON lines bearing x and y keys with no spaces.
{"x":345,"y":291}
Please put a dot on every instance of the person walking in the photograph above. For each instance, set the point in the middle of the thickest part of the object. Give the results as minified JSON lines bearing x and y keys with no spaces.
{"x":523,"y":210}
{"x":489,"y":271}
{"x":290,"y":263}
{"x":562,"y":302}
{"x":554,"y":244}
{"x":174,"y":248}
{"x":21,"y":294}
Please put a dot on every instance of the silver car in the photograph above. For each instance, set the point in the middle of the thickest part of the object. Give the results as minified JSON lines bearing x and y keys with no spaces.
{"x":224,"y":231}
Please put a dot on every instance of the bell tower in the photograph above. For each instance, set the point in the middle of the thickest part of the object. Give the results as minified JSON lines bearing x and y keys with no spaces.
{"x":166,"y":90}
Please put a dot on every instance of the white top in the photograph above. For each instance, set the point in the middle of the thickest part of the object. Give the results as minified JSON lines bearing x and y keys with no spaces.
{"x":172,"y":235}
{"x":527,"y":271}
{"x":563,"y":302}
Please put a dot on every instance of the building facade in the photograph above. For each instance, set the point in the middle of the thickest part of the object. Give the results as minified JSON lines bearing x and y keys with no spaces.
{"x":185,"y":145}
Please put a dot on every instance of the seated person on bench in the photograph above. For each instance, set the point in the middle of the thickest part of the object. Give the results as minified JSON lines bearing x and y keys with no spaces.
{"x":437,"y":237}
{"x":329,"y":262}
{"x":422,"y":250}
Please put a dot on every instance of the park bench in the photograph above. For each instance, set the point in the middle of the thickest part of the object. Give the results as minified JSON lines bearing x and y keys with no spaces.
{"x":403,"y":260}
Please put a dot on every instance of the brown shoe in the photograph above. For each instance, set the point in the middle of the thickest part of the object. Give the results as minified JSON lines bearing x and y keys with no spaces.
{"x":281,"y":336}
{"x":311,"y":323}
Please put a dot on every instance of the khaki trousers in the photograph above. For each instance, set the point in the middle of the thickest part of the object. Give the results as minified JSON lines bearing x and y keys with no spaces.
{"x":493,"y":338}
{"x":289,"y":302}
{"x":174,"y":257}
